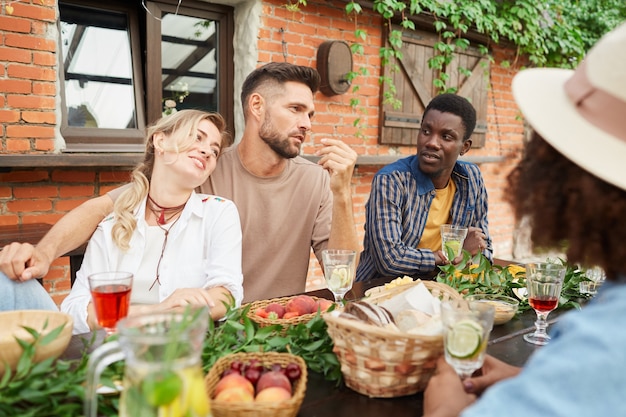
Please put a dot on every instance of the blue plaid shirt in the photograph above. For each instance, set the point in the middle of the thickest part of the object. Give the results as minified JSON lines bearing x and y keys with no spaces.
{"x":396,"y":213}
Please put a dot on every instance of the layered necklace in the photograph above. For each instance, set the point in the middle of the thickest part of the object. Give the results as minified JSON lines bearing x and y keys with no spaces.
{"x":163,"y":215}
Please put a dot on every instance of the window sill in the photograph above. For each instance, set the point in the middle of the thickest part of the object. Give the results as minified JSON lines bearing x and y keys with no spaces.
{"x":131,"y":159}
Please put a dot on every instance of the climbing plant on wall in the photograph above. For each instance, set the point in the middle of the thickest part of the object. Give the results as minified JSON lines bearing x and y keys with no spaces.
{"x":546,"y":33}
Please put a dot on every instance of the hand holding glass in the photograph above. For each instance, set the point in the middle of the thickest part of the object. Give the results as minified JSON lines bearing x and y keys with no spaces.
{"x":110,"y":292}
{"x":466,"y":329}
{"x":339,"y":270}
{"x":452,"y":237}
{"x":543,"y":282}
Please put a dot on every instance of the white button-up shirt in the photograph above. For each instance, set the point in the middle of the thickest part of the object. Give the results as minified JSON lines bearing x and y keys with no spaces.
{"x":203,"y":251}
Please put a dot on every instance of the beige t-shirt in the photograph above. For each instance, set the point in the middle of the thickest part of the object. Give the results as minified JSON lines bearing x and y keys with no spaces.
{"x":282,"y":218}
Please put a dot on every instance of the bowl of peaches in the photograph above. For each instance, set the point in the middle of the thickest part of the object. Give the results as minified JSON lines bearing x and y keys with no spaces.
{"x":287,"y":311}
{"x":257,"y":384}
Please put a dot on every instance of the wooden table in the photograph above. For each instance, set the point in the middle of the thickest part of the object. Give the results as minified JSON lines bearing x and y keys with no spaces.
{"x":324,"y":399}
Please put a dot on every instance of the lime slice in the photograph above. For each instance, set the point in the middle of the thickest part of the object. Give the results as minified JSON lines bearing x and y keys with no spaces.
{"x":464,"y":339}
{"x":453,"y":245}
{"x":161,"y":388}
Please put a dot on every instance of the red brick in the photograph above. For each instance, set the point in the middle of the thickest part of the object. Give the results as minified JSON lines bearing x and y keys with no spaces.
{"x":76,"y":191}
{"x":14,"y":24}
{"x":23,"y":176}
{"x":16,"y":86}
{"x":73,"y":176}
{"x":30,"y":131}
{"x":44,"y":145}
{"x":114,"y":176}
{"x":67,"y":205}
{"x":31,"y":102}
{"x":8,"y":220}
{"x":36,"y":11}
{"x":9,"y":116}
{"x":39,"y":117}
{"x":18,"y":145}
{"x":30,"y":42}
{"x":15,"y":55}
{"x":21,"y":192}
{"x":29,"y":205}
{"x":47,"y":59}
{"x":30,"y":72}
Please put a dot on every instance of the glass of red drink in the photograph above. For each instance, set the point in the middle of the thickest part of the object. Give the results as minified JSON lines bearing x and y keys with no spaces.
{"x":110,"y":292}
{"x":543,"y":282}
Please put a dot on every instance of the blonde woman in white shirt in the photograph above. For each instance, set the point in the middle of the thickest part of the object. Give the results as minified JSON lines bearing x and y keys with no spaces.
{"x":183,"y":248}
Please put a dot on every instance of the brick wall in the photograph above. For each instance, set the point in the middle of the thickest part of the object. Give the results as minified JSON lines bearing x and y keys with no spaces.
{"x":28,"y":121}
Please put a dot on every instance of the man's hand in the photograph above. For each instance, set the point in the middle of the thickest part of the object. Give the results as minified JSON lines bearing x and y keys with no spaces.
{"x":476,"y":240}
{"x":444,"y":395}
{"x":493,"y":371}
{"x":22,"y":261}
{"x":339,"y":160}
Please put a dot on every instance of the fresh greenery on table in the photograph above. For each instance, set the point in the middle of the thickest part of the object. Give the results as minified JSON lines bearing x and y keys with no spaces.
{"x":477,"y":275}
{"x":54,"y":388}
{"x":237,"y":333}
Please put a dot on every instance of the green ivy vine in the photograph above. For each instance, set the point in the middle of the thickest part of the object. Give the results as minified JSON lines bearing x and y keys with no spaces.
{"x":545,"y":33}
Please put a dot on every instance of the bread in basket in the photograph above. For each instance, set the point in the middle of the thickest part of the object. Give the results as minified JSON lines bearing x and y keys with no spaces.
{"x":382,"y":362}
{"x":288,"y":408}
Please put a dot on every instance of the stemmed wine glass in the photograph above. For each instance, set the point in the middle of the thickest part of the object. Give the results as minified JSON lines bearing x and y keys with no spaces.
{"x":543,"y":282}
{"x":339,"y":271}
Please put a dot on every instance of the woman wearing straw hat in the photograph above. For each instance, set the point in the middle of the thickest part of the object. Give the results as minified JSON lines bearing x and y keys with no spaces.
{"x":571,"y":183}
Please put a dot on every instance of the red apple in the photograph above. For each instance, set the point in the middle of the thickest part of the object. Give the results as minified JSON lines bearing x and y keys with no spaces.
{"x":273,"y":379}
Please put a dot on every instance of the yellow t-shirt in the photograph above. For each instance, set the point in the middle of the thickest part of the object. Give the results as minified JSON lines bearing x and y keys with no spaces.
{"x":438,"y":214}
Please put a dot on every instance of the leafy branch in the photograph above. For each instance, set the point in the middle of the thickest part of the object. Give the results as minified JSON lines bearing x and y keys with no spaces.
{"x":476,"y":275}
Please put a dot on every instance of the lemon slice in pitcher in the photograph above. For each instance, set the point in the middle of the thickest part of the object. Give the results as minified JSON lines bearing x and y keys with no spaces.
{"x":464,"y":339}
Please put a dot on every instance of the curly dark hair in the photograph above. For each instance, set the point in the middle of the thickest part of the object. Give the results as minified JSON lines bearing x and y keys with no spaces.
{"x":452,"y":103}
{"x":567,"y":205}
{"x":276,"y":74}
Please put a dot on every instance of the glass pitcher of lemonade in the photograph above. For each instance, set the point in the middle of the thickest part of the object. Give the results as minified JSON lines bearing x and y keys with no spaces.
{"x":163,"y":373}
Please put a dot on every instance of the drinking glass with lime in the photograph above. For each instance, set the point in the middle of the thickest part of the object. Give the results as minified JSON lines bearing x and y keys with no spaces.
{"x":466,"y":329}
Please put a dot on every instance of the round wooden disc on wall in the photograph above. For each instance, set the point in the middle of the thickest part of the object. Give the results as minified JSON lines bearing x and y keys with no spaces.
{"x":334,"y":62}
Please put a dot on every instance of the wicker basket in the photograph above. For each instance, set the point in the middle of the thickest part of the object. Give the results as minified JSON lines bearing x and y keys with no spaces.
{"x":288,"y":408}
{"x":285,"y":323}
{"x":380,"y":362}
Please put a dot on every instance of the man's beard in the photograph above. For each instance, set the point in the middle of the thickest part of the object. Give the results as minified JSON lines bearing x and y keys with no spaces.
{"x":277,"y":142}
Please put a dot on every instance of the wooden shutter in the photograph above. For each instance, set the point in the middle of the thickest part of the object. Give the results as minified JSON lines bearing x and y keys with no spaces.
{"x":414,"y":88}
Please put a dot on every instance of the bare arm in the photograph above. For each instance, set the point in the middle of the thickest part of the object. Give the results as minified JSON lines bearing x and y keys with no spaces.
{"x":339,"y":160}
{"x":22,"y":261}
{"x":214,"y":298}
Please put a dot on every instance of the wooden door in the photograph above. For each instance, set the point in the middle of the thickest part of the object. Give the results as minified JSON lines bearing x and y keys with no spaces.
{"x":414,"y":88}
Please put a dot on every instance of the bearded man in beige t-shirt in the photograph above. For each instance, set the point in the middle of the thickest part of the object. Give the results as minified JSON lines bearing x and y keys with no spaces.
{"x":287,"y":204}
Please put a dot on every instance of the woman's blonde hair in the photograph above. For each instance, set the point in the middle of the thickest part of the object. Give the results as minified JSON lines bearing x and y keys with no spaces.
{"x":181,"y":128}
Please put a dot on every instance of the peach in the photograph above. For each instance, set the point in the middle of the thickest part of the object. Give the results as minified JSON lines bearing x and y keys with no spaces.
{"x":272,"y":395}
{"x":235,"y":395}
{"x":302,"y":304}
{"x":323,"y":304}
{"x":233,"y":380}
{"x":275,"y":308}
{"x":273,"y":379}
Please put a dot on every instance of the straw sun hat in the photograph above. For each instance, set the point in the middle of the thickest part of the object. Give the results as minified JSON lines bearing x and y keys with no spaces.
{"x":582,"y":113}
